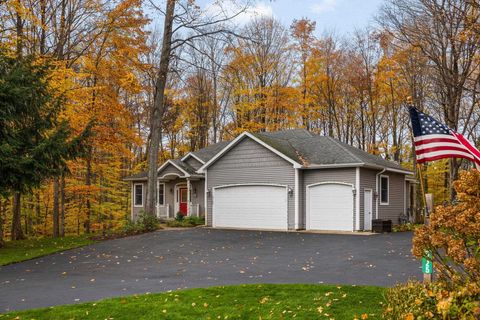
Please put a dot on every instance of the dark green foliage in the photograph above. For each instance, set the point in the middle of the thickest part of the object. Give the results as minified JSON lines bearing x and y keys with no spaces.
{"x":186,"y":222}
{"x":144,"y":223}
{"x":34,"y":145}
{"x":179,"y":216}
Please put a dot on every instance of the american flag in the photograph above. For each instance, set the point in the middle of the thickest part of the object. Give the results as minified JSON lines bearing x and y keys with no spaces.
{"x":434,"y":140}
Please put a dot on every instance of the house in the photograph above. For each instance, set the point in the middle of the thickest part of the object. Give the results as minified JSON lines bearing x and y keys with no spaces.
{"x":285,"y":180}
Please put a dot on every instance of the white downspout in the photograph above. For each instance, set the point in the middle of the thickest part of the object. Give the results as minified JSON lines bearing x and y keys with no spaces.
{"x":376,"y":191}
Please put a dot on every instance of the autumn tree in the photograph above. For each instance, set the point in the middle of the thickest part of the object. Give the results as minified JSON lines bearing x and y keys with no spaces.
{"x":438,"y":28}
{"x":302,"y":34}
{"x":178,"y":16}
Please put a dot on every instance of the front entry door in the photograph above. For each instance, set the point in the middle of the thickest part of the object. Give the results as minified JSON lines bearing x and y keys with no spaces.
{"x":182,"y":192}
{"x":367,"y":209}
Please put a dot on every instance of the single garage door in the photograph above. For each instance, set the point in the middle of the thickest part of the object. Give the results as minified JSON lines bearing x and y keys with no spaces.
{"x":250,"y":207}
{"x":330,"y":207}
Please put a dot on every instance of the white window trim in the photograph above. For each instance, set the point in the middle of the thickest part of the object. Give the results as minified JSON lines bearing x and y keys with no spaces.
{"x":135,"y":195}
{"x":158,"y":198}
{"x":382,"y":203}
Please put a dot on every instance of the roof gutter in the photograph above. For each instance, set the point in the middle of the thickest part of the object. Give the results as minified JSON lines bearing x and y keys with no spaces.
{"x":355,"y":165}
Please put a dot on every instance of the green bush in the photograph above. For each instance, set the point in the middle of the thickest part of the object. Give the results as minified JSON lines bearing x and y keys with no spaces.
{"x":405,"y":227}
{"x":416,"y":300}
{"x":186,"y":222}
{"x":144,"y":223}
{"x":179,"y":216}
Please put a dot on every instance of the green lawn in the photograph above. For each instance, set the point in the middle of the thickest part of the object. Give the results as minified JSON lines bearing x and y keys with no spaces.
{"x":16,"y":251}
{"x":296,"y":301}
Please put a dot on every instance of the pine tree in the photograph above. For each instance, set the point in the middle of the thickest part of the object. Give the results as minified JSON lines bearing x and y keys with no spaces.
{"x":34,"y":145}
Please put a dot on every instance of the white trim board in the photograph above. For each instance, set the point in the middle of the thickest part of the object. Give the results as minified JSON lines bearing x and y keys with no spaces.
{"x":173,"y":164}
{"x":388,"y":190}
{"x":357,"y":199}
{"x":190,"y":154}
{"x":135,"y":195}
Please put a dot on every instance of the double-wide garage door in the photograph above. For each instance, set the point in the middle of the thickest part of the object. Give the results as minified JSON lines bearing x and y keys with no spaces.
{"x":330,"y":207}
{"x":250,"y":207}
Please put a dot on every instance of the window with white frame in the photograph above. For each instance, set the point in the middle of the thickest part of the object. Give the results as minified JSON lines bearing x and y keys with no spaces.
{"x":138,"y":195}
{"x":161,"y":194}
{"x":384,"y":189}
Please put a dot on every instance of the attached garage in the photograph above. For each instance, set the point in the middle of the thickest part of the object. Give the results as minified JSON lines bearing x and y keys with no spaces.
{"x":250,"y":206}
{"x":329,"y":206}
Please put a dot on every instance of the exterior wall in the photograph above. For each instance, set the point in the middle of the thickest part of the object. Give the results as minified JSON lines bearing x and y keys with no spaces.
{"x":137,"y":210}
{"x":396,"y":201}
{"x":195,"y":199}
{"x":250,"y":162}
{"x":367,"y":181}
{"x":199,"y":196}
{"x":170,"y":169}
{"x":194,"y":163}
{"x":397,"y":198}
{"x":311,"y":176}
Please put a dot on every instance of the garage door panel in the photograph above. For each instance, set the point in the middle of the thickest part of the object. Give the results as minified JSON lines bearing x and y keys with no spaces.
{"x":330,"y":207}
{"x":250,"y":206}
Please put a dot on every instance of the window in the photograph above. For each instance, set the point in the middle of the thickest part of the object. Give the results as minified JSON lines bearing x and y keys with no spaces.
{"x":138,"y":195}
{"x":384,"y":189}
{"x":161,"y":194}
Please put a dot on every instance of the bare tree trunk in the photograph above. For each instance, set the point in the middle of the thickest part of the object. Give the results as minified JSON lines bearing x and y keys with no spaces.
{"x":2,"y":214}
{"x":17,"y":233}
{"x":88,"y":182}
{"x":159,"y":107}
{"x":62,"y":206}
{"x":55,"y":213}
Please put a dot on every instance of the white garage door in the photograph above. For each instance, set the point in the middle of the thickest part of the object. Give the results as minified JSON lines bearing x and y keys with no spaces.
{"x":250,"y":207}
{"x":330,"y":207}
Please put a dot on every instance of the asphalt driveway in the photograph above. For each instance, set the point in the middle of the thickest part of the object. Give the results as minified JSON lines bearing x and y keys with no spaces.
{"x":200,"y":257}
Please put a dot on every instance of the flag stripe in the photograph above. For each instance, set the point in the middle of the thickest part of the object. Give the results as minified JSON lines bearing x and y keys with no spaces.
{"x":435,"y":136}
{"x":468,"y":145}
{"x":445,"y":145}
{"x":442,"y":149}
{"x":446,"y":139}
{"x":443,"y":156}
{"x":450,"y":153}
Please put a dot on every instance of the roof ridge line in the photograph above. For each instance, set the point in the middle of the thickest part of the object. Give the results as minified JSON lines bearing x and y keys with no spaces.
{"x":345,"y":149}
{"x":300,"y":156}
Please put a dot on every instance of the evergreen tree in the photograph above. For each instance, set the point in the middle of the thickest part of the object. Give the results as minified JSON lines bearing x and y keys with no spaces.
{"x":34,"y":143}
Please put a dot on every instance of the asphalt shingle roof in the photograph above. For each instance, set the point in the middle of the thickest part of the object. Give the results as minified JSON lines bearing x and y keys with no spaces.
{"x":299,"y":145}
{"x":209,"y":152}
{"x":310,"y":149}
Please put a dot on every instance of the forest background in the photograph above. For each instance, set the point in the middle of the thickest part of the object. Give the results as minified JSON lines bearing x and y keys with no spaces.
{"x":227,"y":77}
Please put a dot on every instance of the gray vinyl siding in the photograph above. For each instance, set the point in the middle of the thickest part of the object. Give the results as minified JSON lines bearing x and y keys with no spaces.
{"x":367,"y":181}
{"x":396,"y":196}
{"x":312,"y":176}
{"x":396,"y":203}
{"x":250,"y":162}
{"x":170,"y":169}
{"x":194,"y":163}
{"x":301,"y":198}
{"x":198,"y":197}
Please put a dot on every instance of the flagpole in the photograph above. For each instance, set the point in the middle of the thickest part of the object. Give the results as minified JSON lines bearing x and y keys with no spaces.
{"x":422,"y":186}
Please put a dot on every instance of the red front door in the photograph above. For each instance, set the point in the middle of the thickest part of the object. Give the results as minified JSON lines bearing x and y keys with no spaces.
{"x":182,"y":193}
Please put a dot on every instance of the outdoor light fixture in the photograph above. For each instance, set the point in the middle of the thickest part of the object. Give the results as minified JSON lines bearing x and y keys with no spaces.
{"x":290,"y":191}
{"x":354,"y":191}
{"x":171,"y":190}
